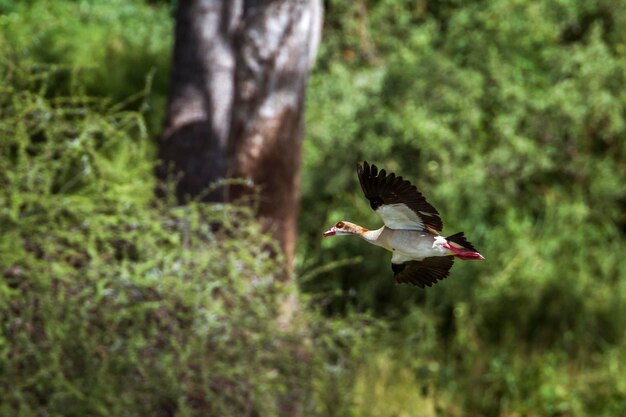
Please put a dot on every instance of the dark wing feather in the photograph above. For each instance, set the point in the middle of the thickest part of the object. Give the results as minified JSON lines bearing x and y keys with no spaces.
{"x":382,"y":189}
{"x":423,"y":273}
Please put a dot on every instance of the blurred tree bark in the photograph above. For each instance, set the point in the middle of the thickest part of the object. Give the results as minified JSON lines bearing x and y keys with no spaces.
{"x":236,"y":100}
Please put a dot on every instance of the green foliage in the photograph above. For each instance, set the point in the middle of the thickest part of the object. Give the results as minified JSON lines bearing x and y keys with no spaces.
{"x":110,"y":47}
{"x":510,"y":116}
{"x":112,"y":303}
{"x":505,"y":125}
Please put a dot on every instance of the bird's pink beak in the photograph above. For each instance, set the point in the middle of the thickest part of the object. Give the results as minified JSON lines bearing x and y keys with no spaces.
{"x":330,"y":232}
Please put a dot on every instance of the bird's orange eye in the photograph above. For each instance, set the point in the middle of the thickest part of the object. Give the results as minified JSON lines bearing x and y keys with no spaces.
{"x":339,"y":225}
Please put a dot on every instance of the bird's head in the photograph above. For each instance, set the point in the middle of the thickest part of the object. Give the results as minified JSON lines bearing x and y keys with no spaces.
{"x":345,"y":228}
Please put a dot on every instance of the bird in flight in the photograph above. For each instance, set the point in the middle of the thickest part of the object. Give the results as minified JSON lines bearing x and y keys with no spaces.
{"x":420,"y":255}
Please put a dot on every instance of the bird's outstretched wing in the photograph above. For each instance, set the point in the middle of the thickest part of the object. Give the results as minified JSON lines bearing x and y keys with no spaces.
{"x":423,"y":273}
{"x":397,"y":201}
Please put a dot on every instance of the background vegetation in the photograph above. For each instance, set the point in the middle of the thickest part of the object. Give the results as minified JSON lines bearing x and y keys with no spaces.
{"x":510,"y":115}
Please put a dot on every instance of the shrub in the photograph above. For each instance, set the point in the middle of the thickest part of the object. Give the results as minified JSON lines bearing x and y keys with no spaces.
{"x":112,"y":303}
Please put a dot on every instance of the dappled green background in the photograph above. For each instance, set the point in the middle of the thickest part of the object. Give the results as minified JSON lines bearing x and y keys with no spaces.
{"x":509,"y":115}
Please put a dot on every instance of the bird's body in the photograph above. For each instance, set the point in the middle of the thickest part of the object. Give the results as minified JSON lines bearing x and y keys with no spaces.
{"x":413,"y":244}
{"x":421,"y":256}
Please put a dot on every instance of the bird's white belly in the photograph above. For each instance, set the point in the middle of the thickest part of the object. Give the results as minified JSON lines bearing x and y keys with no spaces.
{"x":412,"y":244}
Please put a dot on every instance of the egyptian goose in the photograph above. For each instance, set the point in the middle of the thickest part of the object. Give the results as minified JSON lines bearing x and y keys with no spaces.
{"x":411,"y":229}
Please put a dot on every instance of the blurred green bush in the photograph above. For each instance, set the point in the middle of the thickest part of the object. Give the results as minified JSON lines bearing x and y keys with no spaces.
{"x":112,"y":303}
{"x":110,"y":47}
{"x":509,"y":115}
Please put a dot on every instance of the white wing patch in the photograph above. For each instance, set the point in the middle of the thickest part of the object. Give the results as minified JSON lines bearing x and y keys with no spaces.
{"x":399,"y":216}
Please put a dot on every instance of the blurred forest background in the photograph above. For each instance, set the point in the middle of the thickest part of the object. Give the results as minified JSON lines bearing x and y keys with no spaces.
{"x":510,"y":116}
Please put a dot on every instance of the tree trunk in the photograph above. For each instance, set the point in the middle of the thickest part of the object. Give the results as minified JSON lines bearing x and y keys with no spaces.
{"x":236,"y":103}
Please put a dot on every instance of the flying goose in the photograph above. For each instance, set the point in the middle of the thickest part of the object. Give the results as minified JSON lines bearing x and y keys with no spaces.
{"x":421,"y":256}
